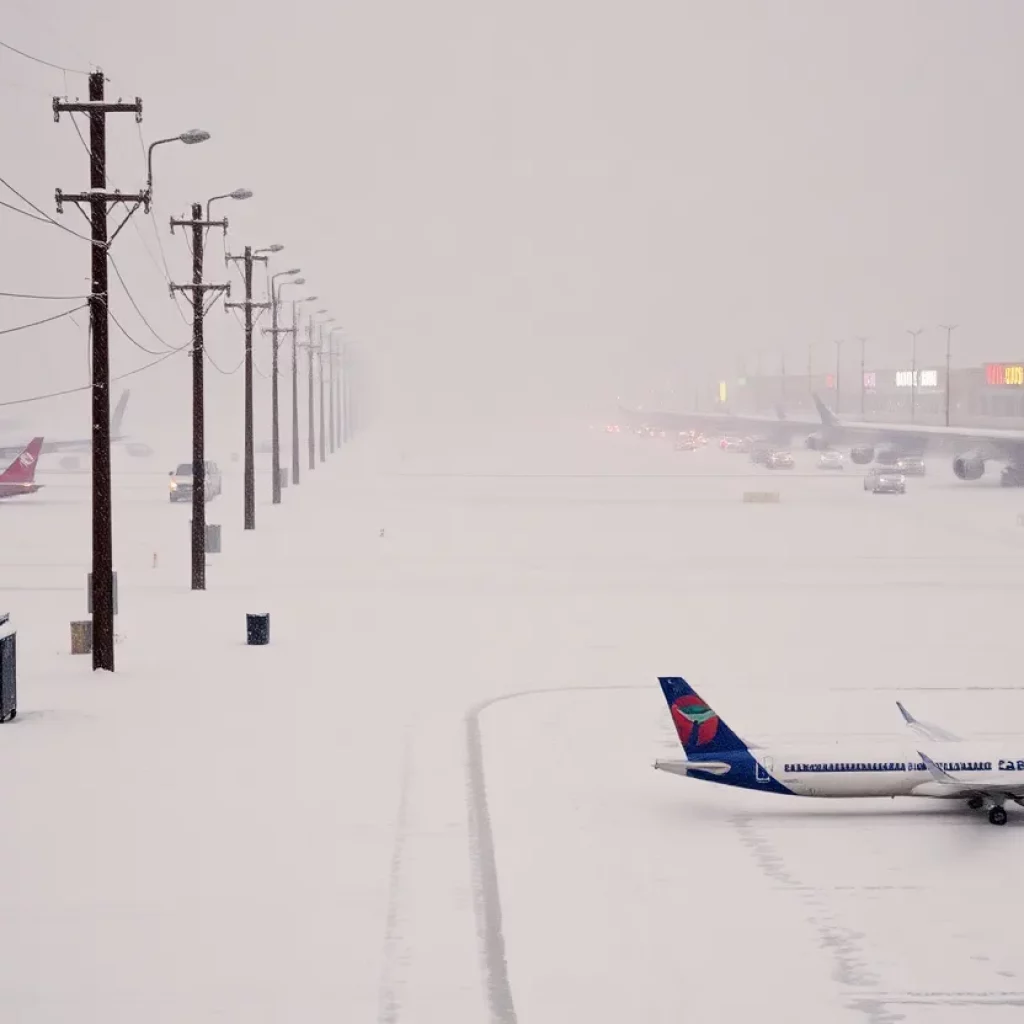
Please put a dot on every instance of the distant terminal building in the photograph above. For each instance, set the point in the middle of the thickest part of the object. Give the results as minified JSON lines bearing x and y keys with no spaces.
{"x":990,"y":395}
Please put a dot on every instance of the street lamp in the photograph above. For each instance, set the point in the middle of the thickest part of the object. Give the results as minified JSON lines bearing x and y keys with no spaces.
{"x":312,"y":430}
{"x":239,"y":193}
{"x":275,"y":433}
{"x":190,"y":138}
{"x":949,"y":329}
{"x":839,"y":361}
{"x":913,"y":371}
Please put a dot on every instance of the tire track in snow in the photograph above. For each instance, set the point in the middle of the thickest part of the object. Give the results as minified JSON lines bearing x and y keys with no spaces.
{"x":486,"y":892}
{"x":396,"y":955}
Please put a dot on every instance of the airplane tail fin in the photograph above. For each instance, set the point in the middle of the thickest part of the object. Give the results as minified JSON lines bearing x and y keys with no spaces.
{"x":828,"y":417}
{"x":23,"y":469}
{"x":700,"y":730}
{"x":118,"y":414}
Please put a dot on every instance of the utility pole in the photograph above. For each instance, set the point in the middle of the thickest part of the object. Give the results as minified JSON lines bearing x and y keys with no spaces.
{"x":295,"y":392}
{"x":320,"y":361}
{"x":198,"y":290}
{"x":248,"y":305}
{"x":309,"y":350}
{"x":949,"y":329}
{"x":274,"y":331}
{"x":913,"y":373}
{"x":862,"y":341}
{"x":839,"y":363}
{"x":330,"y":383}
{"x":99,"y":200}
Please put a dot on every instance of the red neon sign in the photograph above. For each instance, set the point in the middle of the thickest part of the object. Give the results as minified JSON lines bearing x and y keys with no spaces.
{"x":1004,"y":375}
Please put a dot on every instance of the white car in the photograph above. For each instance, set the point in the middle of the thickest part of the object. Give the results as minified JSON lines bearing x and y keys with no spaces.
{"x":881,"y":480}
{"x":181,"y":482}
{"x":831,"y":460}
{"x":780,"y":460}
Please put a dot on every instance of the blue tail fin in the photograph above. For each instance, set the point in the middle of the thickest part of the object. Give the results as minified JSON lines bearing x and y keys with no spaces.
{"x":700,"y":730}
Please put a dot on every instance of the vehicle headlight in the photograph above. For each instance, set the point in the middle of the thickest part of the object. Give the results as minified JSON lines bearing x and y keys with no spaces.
{"x":174,"y":485}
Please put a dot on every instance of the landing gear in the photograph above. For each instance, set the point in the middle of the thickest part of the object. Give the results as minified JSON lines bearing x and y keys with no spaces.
{"x":976,"y":803}
{"x":997,"y":816}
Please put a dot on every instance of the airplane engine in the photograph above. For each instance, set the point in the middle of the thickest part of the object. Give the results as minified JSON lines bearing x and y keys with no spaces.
{"x":862,"y":455}
{"x":816,"y":442}
{"x":969,"y":466}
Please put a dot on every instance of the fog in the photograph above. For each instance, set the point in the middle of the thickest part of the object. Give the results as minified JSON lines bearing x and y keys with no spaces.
{"x":525,"y":210}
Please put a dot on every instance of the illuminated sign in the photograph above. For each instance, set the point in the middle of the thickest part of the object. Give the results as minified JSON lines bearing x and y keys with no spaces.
{"x":870,"y":381}
{"x":1004,"y":375}
{"x":830,"y":381}
{"x":721,"y":391}
{"x":925,"y":378}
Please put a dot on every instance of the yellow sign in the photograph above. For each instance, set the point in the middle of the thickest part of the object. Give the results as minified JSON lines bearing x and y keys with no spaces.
{"x":721,"y":391}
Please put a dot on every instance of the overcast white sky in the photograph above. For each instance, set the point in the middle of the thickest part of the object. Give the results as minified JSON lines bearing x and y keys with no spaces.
{"x":542,"y":201}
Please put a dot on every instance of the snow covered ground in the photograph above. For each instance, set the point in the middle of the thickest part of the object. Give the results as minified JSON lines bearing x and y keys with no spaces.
{"x":279,"y":834}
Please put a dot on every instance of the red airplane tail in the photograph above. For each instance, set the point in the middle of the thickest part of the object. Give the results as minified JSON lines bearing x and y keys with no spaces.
{"x":23,"y":469}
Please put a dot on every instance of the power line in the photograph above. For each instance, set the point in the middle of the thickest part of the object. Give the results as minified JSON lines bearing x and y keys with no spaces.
{"x":42,"y":214}
{"x":59,"y":298}
{"x":24,"y":213}
{"x":47,"y":320}
{"x":142,"y":315}
{"x":39,"y":60}
{"x":137,"y":344}
{"x":88,"y":387}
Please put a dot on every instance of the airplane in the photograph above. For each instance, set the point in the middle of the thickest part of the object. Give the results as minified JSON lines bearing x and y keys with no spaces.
{"x":715,"y":753}
{"x":85,"y":444}
{"x":884,"y":443}
{"x":19,"y":477}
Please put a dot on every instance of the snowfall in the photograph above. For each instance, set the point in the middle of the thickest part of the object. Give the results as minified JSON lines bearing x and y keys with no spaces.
{"x":431,"y":796}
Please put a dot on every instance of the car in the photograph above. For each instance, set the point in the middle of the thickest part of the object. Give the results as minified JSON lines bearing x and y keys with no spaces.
{"x":686,"y":444}
{"x":885,"y":481}
{"x":780,"y":460}
{"x":181,"y":481}
{"x":731,"y":444}
{"x":761,"y":454}
{"x":910,"y":465}
{"x":830,"y":459}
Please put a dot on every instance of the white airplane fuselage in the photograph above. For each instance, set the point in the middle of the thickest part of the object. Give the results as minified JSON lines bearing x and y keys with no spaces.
{"x":855,"y":770}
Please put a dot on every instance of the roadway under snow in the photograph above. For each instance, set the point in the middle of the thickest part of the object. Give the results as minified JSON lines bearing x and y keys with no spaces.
{"x":302,"y":832}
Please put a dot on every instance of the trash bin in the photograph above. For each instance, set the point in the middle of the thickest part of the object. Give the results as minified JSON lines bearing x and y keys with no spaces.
{"x":81,"y":636}
{"x":8,"y":669}
{"x":257,"y":629}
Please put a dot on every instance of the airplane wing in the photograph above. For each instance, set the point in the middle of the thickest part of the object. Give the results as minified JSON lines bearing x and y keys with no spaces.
{"x":984,"y":785}
{"x":935,"y":733}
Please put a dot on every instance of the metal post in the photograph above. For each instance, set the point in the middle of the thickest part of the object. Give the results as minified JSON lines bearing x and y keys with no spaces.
{"x":320,"y":368}
{"x":330,"y":384}
{"x":295,"y":392}
{"x":949,"y":329}
{"x":839,"y":363}
{"x":862,"y":343}
{"x":913,"y":374}
{"x":312,"y":439}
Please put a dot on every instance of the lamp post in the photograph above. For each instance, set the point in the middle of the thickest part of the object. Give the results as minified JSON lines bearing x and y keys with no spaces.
{"x":839,"y":364}
{"x":309,"y":347}
{"x":275,"y":442}
{"x":949,"y":329}
{"x":295,"y":384}
{"x":335,"y":389}
{"x":913,"y":372}
{"x":190,"y":138}
{"x":320,"y":360}
{"x":862,"y":341}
